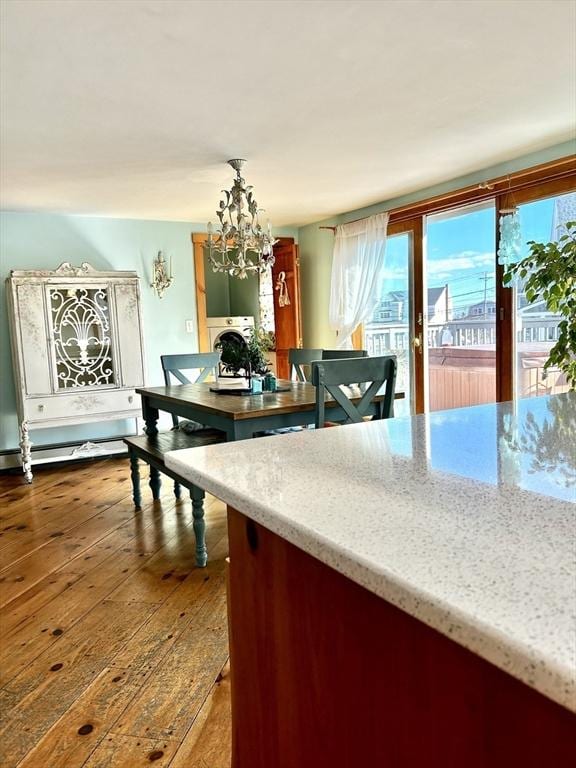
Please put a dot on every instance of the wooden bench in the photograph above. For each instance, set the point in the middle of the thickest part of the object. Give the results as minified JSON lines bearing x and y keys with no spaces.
{"x":151,"y":449}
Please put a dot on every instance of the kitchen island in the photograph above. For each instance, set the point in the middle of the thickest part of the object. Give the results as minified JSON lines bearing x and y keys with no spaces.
{"x":403,"y":592}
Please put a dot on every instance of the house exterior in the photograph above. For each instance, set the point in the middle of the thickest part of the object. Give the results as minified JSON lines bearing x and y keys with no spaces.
{"x":482,"y":309}
{"x":394,"y":307}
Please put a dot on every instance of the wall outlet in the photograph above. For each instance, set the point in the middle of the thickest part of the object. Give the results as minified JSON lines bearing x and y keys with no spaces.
{"x":189,"y":326}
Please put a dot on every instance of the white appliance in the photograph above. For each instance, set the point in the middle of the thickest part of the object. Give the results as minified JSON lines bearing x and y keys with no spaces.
{"x":228,"y":327}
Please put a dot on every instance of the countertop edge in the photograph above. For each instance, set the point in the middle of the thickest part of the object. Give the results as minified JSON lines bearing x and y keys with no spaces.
{"x":556,"y":682}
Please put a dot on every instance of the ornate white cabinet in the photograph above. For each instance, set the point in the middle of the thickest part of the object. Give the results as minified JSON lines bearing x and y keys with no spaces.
{"x":77,"y":348}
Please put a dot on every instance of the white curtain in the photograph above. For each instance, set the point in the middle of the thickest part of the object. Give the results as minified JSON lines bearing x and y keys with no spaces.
{"x":357,"y":265}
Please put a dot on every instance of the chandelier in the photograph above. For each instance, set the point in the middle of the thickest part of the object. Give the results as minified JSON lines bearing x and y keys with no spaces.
{"x":239,"y":245}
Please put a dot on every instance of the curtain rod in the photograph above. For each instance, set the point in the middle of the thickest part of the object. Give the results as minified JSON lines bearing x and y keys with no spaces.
{"x":486,"y":190}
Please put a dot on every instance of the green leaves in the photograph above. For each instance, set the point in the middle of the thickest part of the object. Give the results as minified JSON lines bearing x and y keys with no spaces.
{"x":549,"y":275}
{"x":245,"y":356}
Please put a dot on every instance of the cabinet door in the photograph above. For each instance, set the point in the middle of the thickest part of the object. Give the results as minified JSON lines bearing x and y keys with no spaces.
{"x":30,"y":325}
{"x":128,"y":323}
{"x":82,"y":332}
{"x":286,"y":278}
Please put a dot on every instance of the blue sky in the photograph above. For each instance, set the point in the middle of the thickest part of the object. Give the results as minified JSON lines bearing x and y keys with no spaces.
{"x":460,"y":251}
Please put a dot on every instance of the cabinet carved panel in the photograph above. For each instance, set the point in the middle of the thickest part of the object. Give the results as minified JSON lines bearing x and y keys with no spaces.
{"x":77,"y":347}
{"x":82,"y":337}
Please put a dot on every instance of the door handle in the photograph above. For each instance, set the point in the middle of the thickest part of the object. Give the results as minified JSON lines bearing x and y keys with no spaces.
{"x":417,"y":343}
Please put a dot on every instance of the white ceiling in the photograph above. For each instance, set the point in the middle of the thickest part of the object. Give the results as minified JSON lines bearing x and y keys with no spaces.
{"x":130,"y":108}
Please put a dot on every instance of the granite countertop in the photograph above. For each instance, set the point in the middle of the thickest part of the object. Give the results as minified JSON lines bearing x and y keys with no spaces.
{"x":464,"y":519}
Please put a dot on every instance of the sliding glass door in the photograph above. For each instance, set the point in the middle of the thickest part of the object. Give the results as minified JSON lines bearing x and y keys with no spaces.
{"x":460,"y":307}
{"x":388,"y":331}
{"x":391,"y":328}
{"x":461,"y":337}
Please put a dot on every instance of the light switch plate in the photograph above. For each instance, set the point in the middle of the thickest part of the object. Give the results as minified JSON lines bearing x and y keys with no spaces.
{"x":189,"y":326}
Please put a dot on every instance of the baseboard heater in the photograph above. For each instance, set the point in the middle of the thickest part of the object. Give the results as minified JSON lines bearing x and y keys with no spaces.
{"x":63,"y":452}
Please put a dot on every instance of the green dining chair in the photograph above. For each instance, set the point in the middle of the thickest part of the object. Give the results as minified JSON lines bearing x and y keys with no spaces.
{"x":300,"y":360}
{"x":204,"y":363}
{"x":173,"y":367}
{"x":346,"y":379}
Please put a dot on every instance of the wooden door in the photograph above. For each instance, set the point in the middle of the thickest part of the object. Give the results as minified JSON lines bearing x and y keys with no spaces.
{"x":287,"y":313}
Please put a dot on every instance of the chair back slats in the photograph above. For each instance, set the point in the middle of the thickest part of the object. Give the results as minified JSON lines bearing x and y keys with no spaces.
{"x":177,"y":375}
{"x":329,"y":376}
{"x":338,"y":354}
{"x":173,"y":365}
{"x":300,"y":360}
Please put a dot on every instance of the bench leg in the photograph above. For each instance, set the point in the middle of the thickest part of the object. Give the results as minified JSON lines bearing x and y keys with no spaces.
{"x":135,"y":475}
{"x":155,"y":482}
{"x":177,"y":489}
{"x":197,"y":496}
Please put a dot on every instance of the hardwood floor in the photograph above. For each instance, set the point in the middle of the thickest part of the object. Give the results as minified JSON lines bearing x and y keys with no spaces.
{"x":113,"y":643}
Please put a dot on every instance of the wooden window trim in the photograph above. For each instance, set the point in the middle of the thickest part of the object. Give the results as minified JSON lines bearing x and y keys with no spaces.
{"x":520,"y":184}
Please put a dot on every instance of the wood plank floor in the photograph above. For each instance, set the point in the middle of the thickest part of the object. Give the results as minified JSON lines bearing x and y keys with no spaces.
{"x":113,"y":644}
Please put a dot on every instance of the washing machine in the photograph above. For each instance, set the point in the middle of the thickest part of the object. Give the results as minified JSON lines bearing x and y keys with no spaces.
{"x":228,"y":327}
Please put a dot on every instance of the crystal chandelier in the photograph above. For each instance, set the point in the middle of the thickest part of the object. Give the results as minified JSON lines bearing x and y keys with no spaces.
{"x":239,"y":246}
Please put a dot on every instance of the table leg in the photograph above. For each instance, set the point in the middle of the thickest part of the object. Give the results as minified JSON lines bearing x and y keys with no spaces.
{"x":150,"y":417}
{"x":155,"y":482}
{"x":177,"y":490}
{"x":135,"y":475}
{"x":199,"y":525}
{"x":240,"y":431}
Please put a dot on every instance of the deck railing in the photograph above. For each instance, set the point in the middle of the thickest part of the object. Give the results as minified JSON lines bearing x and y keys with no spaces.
{"x":464,"y":372}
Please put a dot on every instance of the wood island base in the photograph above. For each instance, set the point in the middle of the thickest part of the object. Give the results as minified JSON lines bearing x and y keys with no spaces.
{"x":328,"y":675}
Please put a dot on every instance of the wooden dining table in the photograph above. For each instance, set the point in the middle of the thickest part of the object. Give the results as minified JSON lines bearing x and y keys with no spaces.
{"x":241,"y":416}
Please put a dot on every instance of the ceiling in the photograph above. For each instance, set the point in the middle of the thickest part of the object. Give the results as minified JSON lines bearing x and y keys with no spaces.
{"x":130,"y":108}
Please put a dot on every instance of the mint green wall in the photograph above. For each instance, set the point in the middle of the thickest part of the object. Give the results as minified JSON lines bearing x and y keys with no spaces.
{"x":217,"y":291}
{"x":43,"y":241}
{"x":229,"y":296}
{"x":316,"y":244}
{"x":315,"y":248}
{"x":244,"y":297}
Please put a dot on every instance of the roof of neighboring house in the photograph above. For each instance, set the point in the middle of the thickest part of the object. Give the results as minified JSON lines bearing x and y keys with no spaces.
{"x":535,"y":307}
{"x":434,"y":294}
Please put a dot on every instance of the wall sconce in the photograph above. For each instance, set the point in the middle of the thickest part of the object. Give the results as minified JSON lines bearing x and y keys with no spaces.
{"x":161,"y":277}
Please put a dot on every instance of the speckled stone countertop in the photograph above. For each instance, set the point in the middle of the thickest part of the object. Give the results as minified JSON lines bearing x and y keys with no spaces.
{"x":464,"y":519}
